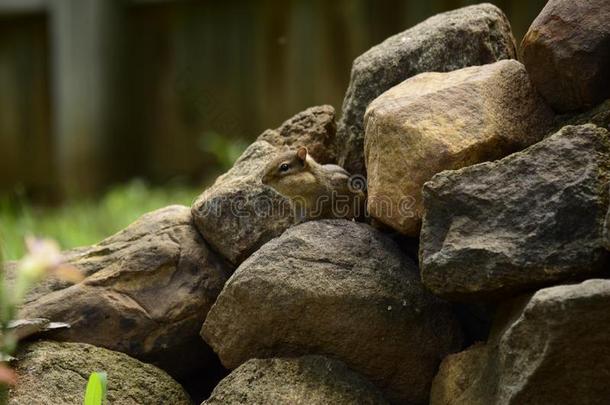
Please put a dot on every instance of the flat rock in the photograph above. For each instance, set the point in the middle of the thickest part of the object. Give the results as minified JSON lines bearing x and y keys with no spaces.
{"x":567,"y":53}
{"x":341,"y":289}
{"x":57,"y":373}
{"x":307,"y":380}
{"x":438,"y":121}
{"x":147,"y":292}
{"x":552,"y":347}
{"x":469,"y":36}
{"x":238,"y":214}
{"x":532,"y":219}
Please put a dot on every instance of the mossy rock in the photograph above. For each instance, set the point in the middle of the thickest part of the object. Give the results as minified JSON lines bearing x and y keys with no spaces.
{"x":57,"y":373}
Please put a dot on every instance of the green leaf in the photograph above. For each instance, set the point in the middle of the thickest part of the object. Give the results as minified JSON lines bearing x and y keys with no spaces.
{"x":96,"y":389}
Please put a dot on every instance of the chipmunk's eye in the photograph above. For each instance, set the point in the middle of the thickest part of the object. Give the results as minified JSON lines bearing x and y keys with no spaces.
{"x":284,"y":167}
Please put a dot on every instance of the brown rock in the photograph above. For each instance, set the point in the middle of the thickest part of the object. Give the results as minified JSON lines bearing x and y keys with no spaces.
{"x":307,"y":380}
{"x":238,"y":214}
{"x":148,"y":290}
{"x":567,"y":53}
{"x":552,"y":347}
{"x":456,"y":374}
{"x":438,"y":121}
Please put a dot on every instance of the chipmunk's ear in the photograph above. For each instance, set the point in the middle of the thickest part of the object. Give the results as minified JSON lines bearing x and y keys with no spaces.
{"x":302,"y":153}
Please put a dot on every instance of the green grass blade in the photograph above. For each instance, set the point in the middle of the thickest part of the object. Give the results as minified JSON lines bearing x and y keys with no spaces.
{"x":96,"y":389}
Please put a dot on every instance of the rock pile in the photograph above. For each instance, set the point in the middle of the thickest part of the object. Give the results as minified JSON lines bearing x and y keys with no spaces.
{"x":447,"y":120}
{"x":509,"y":203}
{"x":341,"y":289}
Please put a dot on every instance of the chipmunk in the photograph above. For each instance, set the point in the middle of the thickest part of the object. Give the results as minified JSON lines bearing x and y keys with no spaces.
{"x":316,"y":191}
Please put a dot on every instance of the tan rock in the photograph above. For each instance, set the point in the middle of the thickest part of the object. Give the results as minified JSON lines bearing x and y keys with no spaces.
{"x":469,"y":36}
{"x":439,"y":121}
{"x":456,"y":374}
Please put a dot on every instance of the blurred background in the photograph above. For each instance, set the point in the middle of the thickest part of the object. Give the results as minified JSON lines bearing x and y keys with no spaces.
{"x":111,"y":108}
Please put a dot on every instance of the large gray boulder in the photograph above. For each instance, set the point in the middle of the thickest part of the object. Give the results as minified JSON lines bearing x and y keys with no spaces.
{"x":552,"y":347}
{"x":307,"y":380}
{"x":469,"y":36}
{"x":341,"y":289}
{"x":238,"y":214}
{"x":534,"y":218}
{"x":567,"y":53}
{"x":439,"y":121}
{"x":57,"y":373}
{"x":146,"y":293}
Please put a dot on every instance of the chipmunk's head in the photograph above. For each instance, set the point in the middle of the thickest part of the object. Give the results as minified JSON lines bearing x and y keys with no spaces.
{"x":280,"y":171}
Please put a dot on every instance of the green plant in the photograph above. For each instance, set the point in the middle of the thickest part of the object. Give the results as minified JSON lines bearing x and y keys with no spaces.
{"x":225,"y":149}
{"x":85,"y":221}
{"x":96,"y":389}
{"x":7,"y":341}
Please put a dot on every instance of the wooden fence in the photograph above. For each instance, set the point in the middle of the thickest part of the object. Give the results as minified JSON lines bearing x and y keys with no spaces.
{"x":97,"y":91}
